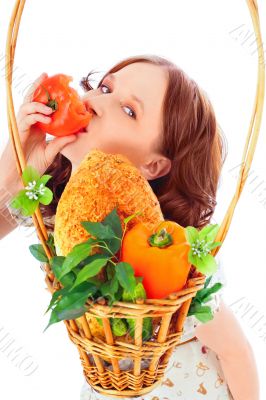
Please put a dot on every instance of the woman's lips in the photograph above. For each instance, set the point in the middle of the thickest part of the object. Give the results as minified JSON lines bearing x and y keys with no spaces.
{"x":83,"y":130}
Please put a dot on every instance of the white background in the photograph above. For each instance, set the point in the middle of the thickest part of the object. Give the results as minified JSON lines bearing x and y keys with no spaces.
{"x":213,"y":41}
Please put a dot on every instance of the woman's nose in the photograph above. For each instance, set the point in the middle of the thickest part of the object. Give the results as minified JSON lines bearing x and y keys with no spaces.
{"x":90,"y":106}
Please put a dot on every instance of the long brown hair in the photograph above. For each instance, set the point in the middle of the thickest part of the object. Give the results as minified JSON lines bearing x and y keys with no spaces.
{"x":191,"y":138}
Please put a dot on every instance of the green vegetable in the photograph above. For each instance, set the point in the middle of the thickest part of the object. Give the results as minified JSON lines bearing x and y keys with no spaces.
{"x":139,"y":293}
{"x":146,"y":328}
{"x":119,"y":326}
{"x":99,"y":321}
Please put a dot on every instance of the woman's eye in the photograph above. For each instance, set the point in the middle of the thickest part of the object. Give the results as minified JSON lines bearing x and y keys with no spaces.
{"x":132,"y":111}
{"x":104,"y":86}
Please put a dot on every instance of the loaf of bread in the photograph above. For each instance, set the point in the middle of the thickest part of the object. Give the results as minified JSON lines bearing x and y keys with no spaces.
{"x":102,"y":182}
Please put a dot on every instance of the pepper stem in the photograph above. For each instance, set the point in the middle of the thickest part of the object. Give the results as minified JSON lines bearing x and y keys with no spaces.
{"x":51,"y":102}
{"x":160,"y":239}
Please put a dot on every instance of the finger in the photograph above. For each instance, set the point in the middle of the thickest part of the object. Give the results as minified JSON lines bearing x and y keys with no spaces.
{"x":30,"y":120}
{"x":33,"y":107}
{"x":33,"y":87}
{"x":56,"y":145}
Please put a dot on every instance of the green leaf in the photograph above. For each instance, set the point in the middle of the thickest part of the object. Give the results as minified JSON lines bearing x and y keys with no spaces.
{"x":72,"y":304}
{"x":72,"y":314}
{"x":213,"y":233}
{"x":53,"y":319}
{"x":38,"y":252}
{"x":21,"y":201}
{"x":113,"y":245}
{"x":209,"y":232}
{"x":109,"y":230}
{"x":118,"y":294}
{"x":203,"y":313}
{"x":56,"y":265}
{"x":76,"y":255}
{"x":205,"y":230}
{"x":77,"y":297}
{"x":55,"y":297}
{"x":109,"y":288}
{"x":44,"y":179}
{"x":207,"y":299}
{"x":215,"y":244}
{"x":191,"y":234}
{"x":46,"y":197}
{"x":97,"y":261}
{"x":95,"y":281}
{"x":57,"y":316}
{"x":30,"y":174}
{"x":206,"y":264}
{"x":207,"y":281}
{"x":204,"y":295}
{"x":50,"y":244}
{"x":125,"y":276}
{"x":110,"y":270}
{"x":98,"y":230}
{"x":113,"y":220}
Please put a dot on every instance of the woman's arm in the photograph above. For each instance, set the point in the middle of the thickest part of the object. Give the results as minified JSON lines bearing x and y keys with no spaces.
{"x":8,"y":188}
{"x":224,"y":335}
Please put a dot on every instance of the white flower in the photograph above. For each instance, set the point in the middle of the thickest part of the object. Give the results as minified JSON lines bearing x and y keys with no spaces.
{"x":41,"y":189}
{"x":200,"y":247}
{"x":31,"y":185}
{"x":34,"y":193}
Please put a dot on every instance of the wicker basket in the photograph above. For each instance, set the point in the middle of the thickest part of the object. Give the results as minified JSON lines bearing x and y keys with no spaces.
{"x":149,"y":358}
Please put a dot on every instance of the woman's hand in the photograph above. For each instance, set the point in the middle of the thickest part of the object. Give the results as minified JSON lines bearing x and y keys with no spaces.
{"x":37,"y":151}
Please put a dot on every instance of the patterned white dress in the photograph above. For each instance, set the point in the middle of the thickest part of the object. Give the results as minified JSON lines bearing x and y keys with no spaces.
{"x":194,"y":371}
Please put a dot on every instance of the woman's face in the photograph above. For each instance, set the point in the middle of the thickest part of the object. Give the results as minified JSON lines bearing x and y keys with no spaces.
{"x":121,"y":124}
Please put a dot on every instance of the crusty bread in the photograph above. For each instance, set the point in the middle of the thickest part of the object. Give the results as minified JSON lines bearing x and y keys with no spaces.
{"x":101,"y":182}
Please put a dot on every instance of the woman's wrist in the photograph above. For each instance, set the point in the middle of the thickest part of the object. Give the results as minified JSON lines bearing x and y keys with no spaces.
{"x":10,"y":185}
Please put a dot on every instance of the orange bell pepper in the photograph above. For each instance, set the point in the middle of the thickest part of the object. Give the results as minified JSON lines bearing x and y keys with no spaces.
{"x":161,"y":258}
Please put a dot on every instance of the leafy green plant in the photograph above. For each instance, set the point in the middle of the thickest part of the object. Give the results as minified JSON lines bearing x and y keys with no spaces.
{"x":79,"y":271}
{"x":202,"y":242}
{"x":85,"y":276}
{"x":198,"y":308}
{"x":139,"y":293}
{"x":35,"y":192}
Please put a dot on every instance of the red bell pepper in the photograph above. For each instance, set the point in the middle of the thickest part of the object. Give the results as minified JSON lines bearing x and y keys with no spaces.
{"x":70,"y":114}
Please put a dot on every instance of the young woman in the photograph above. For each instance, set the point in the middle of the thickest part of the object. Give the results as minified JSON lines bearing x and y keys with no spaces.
{"x":148,"y":109}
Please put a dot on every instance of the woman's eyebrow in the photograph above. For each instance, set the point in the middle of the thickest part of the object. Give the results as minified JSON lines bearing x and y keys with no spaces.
{"x":134,"y":97}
